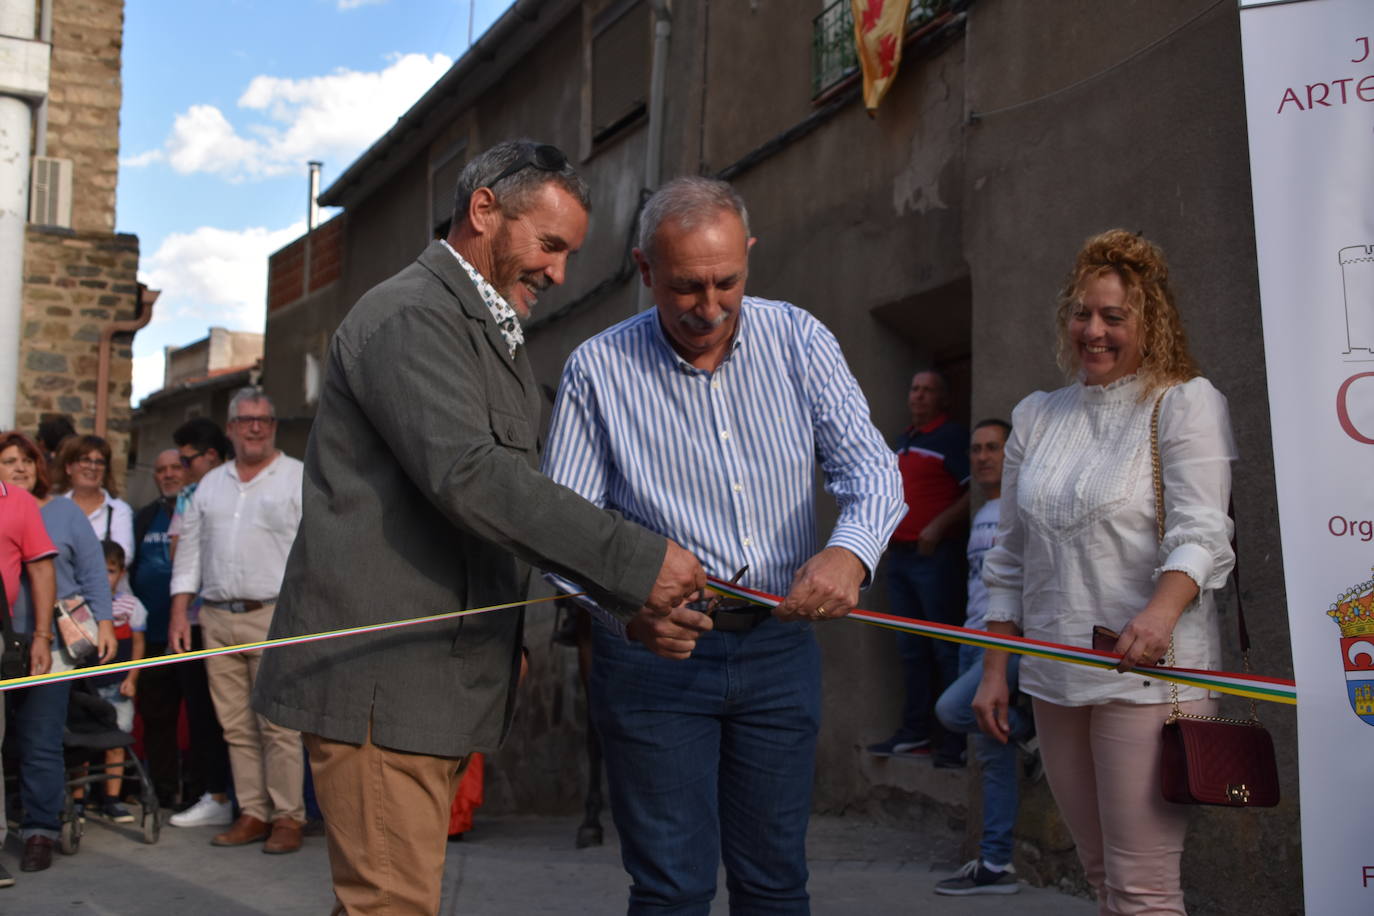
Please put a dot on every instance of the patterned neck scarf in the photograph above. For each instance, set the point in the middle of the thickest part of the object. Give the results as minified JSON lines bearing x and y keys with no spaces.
{"x":507,"y":322}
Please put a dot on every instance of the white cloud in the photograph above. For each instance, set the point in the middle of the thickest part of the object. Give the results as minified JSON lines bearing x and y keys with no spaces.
{"x":290,"y":121}
{"x":148,"y":371}
{"x":218,"y":276}
{"x":354,"y":4}
{"x":139,"y":160}
{"x":203,"y":140}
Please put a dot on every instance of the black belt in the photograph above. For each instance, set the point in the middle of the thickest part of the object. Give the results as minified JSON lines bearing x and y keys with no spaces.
{"x":739,"y":616}
{"x":237,"y":607}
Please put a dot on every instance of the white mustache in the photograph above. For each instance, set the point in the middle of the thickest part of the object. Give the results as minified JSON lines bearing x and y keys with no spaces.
{"x":697,"y":323}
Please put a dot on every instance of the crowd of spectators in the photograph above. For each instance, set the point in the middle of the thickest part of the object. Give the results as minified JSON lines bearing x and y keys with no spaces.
{"x":151,"y":579}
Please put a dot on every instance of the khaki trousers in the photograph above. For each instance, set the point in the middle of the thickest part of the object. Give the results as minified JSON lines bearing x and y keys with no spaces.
{"x":267,"y":761}
{"x":1102,"y":764}
{"x":386,"y":816}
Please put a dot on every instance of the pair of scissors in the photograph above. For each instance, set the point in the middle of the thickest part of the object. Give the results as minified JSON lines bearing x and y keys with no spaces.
{"x":715,"y":599}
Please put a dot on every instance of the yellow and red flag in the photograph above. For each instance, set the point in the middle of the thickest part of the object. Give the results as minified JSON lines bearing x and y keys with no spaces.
{"x":879,"y":26}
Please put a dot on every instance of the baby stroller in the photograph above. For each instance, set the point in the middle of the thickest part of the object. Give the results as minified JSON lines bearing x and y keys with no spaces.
{"x":91,"y":729}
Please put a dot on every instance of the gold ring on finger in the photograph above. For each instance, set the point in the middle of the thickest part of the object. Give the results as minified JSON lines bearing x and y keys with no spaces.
{"x":820,"y":611}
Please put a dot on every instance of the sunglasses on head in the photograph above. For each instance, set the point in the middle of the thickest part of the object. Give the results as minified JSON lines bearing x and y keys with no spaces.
{"x":541,"y":156}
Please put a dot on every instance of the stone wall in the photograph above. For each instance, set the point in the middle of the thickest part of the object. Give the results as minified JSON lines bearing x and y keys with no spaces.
{"x":84,"y":96}
{"x":75,"y":283}
{"x":78,"y":280}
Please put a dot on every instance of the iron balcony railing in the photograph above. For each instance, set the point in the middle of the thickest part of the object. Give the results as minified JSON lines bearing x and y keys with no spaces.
{"x":833,"y":58}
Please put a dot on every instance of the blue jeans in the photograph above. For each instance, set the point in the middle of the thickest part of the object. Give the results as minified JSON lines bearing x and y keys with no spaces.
{"x":4,"y":817}
{"x":933,"y":588}
{"x":38,"y":716}
{"x":711,"y":758}
{"x":997,"y":760}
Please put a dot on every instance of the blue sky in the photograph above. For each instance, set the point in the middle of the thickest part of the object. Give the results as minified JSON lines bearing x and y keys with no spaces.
{"x":224,"y":103}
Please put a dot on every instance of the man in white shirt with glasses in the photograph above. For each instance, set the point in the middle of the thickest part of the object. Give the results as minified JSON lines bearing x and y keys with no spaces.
{"x":234,"y":541}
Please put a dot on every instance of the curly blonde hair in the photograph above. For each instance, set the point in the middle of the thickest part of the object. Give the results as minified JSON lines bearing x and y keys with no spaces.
{"x":1144,"y":273}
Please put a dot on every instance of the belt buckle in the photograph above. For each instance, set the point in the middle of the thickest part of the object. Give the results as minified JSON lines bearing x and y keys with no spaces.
{"x":734,"y":619}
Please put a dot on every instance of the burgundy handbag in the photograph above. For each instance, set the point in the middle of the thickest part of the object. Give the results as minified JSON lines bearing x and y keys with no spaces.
{"x":1213,"y":760}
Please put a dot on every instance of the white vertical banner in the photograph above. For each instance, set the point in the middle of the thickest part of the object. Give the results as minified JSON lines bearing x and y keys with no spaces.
{"x":1309,"y":89}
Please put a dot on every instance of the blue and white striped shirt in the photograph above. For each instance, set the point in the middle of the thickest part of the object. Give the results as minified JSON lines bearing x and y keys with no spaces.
{"x":724,"y":462}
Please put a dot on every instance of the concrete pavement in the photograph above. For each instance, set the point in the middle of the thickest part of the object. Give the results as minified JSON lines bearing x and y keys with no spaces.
{"x":506,"y":865}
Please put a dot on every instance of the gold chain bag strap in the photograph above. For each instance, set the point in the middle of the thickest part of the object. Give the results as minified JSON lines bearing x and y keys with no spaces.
{"x":1212,"y":760}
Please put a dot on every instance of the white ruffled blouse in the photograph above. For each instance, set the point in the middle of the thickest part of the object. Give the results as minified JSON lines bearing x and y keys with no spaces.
{"x":1077,"y":543}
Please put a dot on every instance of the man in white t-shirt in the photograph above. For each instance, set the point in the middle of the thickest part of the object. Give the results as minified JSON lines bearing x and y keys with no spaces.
{"x":991,"y":872}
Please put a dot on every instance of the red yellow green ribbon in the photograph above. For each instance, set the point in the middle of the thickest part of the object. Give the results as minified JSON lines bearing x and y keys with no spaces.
{"x":1253,"y":686}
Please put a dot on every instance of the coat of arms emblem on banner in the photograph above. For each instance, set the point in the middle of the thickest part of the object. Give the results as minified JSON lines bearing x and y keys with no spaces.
{"x":1354,"y":614}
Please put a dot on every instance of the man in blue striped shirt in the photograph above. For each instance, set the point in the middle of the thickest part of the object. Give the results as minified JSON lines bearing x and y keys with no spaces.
{"x":702,"y":420}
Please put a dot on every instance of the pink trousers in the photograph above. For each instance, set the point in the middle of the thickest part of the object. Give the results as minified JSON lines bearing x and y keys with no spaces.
{"x":1102,"y":764}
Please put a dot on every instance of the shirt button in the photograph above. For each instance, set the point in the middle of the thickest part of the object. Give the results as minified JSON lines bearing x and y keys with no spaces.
{"x":748,"y":542}
{"x":715,"y":383}
{"x":738,"y":487}
{"x":725,"y":434}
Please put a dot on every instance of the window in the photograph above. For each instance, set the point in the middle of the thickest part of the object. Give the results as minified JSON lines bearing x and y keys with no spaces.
{"x":832,"y":46}
{"x":621,"y":49}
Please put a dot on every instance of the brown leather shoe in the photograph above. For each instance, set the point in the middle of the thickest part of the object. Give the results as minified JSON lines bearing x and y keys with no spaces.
{"x":37,"y":854}
{"x":286,"y":837}
{"x":247,"y":829}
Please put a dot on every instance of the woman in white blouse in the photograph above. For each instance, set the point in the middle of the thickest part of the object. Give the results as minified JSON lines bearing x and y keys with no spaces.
{"x":85,"y":476}
{"x":1078,"y":547}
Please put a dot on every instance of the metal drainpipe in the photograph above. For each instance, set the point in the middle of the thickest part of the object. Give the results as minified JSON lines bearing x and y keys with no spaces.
{"x":653,"y":156}
{"x":312,"y":219}
{"x":16,"y":133}
{"x":146,"y":298}
{"x":40,"y":137}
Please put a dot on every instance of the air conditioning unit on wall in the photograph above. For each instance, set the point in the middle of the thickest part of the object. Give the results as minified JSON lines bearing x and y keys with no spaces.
{"x":50,"y":192}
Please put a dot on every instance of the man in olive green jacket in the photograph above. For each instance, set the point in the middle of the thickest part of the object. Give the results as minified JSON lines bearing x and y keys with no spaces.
{"x":421,"y":495}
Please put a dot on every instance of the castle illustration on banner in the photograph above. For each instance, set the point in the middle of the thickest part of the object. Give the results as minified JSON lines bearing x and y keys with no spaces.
{"x":1357,"y":280}
{"x":1353,"y":612}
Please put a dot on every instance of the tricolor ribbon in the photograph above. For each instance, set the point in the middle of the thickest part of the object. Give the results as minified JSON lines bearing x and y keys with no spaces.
{"x":1253,"y":686}
{"x":117,"y":667}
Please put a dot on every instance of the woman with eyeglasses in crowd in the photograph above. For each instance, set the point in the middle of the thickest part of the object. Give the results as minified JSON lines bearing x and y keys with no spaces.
{"x":39,"y":713}
{"x":86,"y":477}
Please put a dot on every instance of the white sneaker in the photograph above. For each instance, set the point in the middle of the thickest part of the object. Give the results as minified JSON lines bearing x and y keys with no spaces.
{"x":205,"y":813}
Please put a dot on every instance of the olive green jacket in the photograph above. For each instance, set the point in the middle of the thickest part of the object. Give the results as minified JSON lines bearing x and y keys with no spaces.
{"x":421,"y":495}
